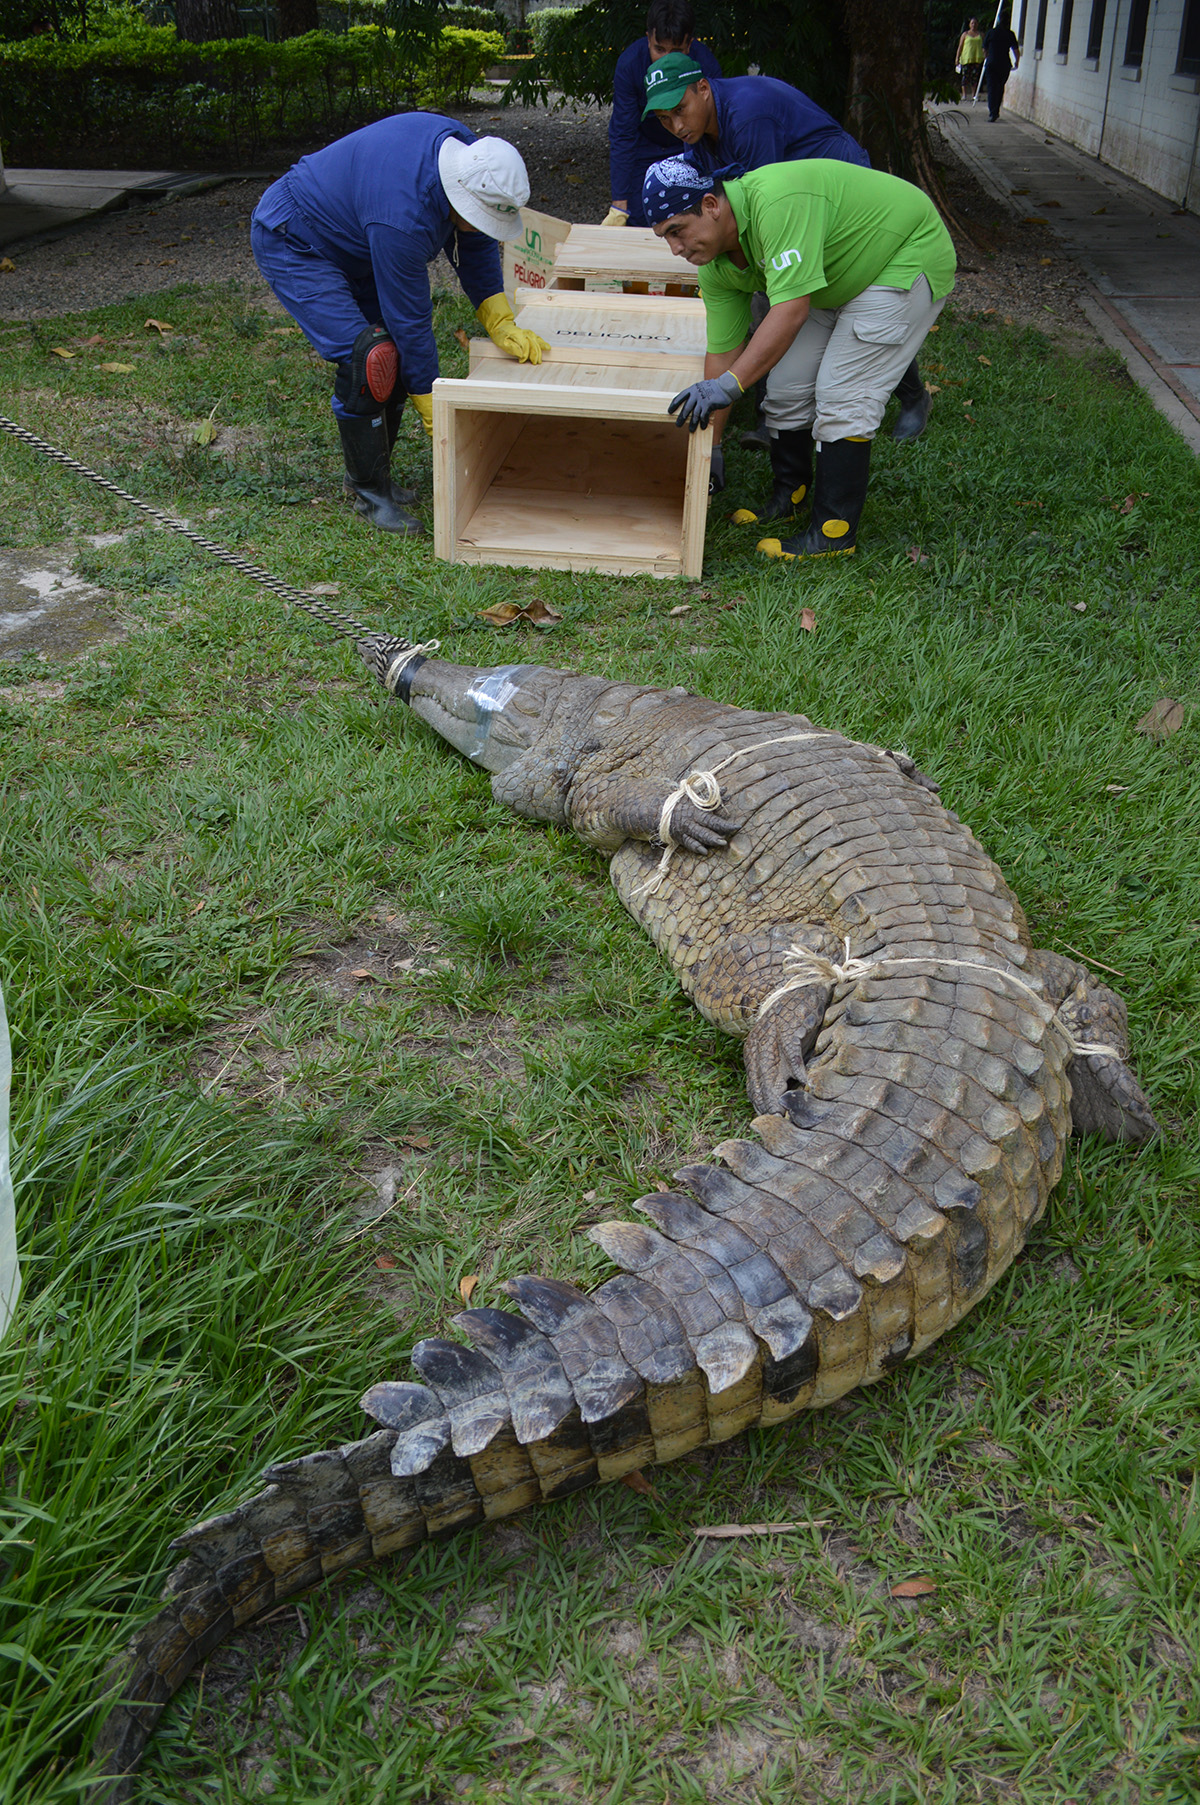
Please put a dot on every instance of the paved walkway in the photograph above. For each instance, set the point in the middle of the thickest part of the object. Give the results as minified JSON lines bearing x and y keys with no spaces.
{"x":1141,"y":254}
{"x":39,"y":203}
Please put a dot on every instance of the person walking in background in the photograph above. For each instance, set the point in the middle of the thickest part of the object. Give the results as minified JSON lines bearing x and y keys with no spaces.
{"x":968,"y":59}
{"x":636,"y":139}
{"x":344,"y":240}
{"x":1001,"y":53}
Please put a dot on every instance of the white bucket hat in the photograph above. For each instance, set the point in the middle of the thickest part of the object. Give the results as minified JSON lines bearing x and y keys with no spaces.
{"x":486,"y":182}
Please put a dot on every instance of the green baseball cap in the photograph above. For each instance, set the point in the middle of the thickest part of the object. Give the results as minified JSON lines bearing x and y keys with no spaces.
{"x":668,"y":80}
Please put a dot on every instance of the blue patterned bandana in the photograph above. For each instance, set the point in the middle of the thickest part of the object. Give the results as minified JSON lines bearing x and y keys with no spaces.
{"x":672,"y":186}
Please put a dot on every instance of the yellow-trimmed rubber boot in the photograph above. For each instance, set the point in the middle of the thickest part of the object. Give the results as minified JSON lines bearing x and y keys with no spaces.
{"x":839,"y":491}
{"x":791,"y":472}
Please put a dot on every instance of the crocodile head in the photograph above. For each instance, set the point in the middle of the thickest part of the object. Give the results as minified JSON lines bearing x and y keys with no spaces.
{"x":494,"y":714}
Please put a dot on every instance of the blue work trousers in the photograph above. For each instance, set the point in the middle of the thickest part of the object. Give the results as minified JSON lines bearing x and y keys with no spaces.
{"x":330,"y":307}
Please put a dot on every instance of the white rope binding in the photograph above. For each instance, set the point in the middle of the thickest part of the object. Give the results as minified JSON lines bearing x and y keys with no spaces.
{"x":809,"y":967}
{"x":402,"y":660}
{"x":702,"y":789}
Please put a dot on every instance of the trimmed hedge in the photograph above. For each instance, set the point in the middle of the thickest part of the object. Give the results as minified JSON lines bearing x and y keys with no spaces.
{"x":145,"y":88}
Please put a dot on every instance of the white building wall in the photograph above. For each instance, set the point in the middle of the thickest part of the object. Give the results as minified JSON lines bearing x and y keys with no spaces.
{"x":1143,"y":121}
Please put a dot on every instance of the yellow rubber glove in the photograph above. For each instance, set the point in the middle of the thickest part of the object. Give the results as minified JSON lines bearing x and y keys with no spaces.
{"x":424,"y":406}
{"x":496,"y":318}
{"x":616,"y":216}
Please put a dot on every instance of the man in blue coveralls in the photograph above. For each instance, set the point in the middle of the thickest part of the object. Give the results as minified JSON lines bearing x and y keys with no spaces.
{"x":746,"y":123}
{"x":345,"y":239}
{"x":634,"y":140}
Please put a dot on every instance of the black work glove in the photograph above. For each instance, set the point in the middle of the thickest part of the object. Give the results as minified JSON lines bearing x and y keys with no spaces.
{"x":716,"y":471}
{"x":697,"y":404}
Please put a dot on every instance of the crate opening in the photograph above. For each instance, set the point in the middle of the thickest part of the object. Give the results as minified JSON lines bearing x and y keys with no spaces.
{"x":578,"y":487}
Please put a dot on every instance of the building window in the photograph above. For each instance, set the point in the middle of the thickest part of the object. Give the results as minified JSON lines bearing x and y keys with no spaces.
{"x":1096,"y":29}
{"x":1135,"y":37}
{"x":1018,"y":21}
{"x":1039,"y":42}
{"x":1189,"y":40}
{"x":1064,"y":30}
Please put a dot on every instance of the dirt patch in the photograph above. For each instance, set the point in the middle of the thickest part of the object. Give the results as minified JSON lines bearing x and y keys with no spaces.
{"x":50,"y":612}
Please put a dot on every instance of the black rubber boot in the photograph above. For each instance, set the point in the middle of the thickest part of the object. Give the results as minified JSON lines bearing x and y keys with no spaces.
{"x":368,"y":458}
{"x":392,"y":411}
{"x":913,"y":397}
{"x":792,"y":473}
{"x":839,"y":491}
{"x":758,"y":438}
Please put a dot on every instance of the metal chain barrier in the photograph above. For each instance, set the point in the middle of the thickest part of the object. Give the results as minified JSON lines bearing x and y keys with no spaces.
{"x":343,"y":626}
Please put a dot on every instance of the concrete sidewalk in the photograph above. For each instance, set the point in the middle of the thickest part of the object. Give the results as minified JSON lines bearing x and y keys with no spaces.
{"x":1141,"y":255}
{"x":39,"y":203}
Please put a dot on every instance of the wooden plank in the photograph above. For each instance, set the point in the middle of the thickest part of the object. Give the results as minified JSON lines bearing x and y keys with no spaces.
{"x":695,"y":503}
{"x":621,"y":254}
{"x":685,"y":366}
{"x":468,"y":449}
{"x":621,"y":323}
{"x":596,"y":401}
{"x":530,"y":258}
{"x":653,"y":374}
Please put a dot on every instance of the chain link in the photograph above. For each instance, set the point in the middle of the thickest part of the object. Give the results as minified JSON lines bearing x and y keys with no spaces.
{"x":343,"y":626}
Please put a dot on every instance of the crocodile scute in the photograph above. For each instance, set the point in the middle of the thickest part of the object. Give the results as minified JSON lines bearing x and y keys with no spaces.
{"x":915,"y":1066}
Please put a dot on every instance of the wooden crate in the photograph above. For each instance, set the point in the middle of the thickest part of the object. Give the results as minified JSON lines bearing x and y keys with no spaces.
{"x":571,"y":464}
{"x":628,"y":324}
{"x":627,"y":259}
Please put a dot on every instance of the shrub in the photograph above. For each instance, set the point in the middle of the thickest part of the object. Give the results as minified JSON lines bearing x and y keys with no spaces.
{"x":228,"y":97}
{"x":545,"y":25}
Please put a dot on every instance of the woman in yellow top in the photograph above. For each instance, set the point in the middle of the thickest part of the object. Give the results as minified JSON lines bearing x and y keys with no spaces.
{"x":969,"y":58}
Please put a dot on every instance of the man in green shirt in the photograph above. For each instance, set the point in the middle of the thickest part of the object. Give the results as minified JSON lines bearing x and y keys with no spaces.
{"x":856,"y":266}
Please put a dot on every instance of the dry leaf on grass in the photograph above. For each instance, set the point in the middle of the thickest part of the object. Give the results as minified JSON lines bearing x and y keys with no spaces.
{"x":159,"y":326}
{"x":916,"y":555}
{"x":416,"y":1143}
{"x":97,"y":338}
{"x":538,"y":614}
{"x":683,"y":608}
{"x":324,"y":589}
{"x":119,"y":369}
{"x":59,"y":352}
{"x":1079,"y":607}
{"x":808,"y":621}
{"x":467,"y":1285}
{"x":638,"y":1482}
{"x":1130,"y":502}
{"x":386,"y":1262}
{"x":7,"y":264}
{"x":1161,"y":721}
{"x":726,"y":1532}
{"x":362,"y":972}
{"x":462,"y":338}
{"x":987,"y":361}
{"x":284,"y":331}
{"x":206,"y":432}
{"x":913,"y":1588}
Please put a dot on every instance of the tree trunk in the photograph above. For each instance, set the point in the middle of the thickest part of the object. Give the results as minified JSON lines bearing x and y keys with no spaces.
{"x":885,"y":102}
{"x":198,"y":21}
{"x":295,"y":17}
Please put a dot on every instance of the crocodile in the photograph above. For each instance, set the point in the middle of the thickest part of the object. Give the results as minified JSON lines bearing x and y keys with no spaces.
{"x":915,"y":1066}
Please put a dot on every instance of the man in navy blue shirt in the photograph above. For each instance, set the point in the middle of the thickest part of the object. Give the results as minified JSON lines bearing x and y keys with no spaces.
{"x":634,"y":142}
{"x":748,"y":119}
{"x":345,"y":239}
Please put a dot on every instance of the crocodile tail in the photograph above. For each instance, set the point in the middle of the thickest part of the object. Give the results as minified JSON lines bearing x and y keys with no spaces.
{"x":856,"y":1229}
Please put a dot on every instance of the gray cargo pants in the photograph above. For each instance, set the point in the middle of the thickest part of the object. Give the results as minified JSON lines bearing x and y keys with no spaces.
{"x":841,"y":367}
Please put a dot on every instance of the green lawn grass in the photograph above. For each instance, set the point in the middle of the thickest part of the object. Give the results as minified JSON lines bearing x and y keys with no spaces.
{"x":263,"y":939}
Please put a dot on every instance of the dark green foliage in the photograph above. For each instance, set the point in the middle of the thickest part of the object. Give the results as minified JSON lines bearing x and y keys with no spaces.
{"x":147,"y":89}
{"x":802,"y":44}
